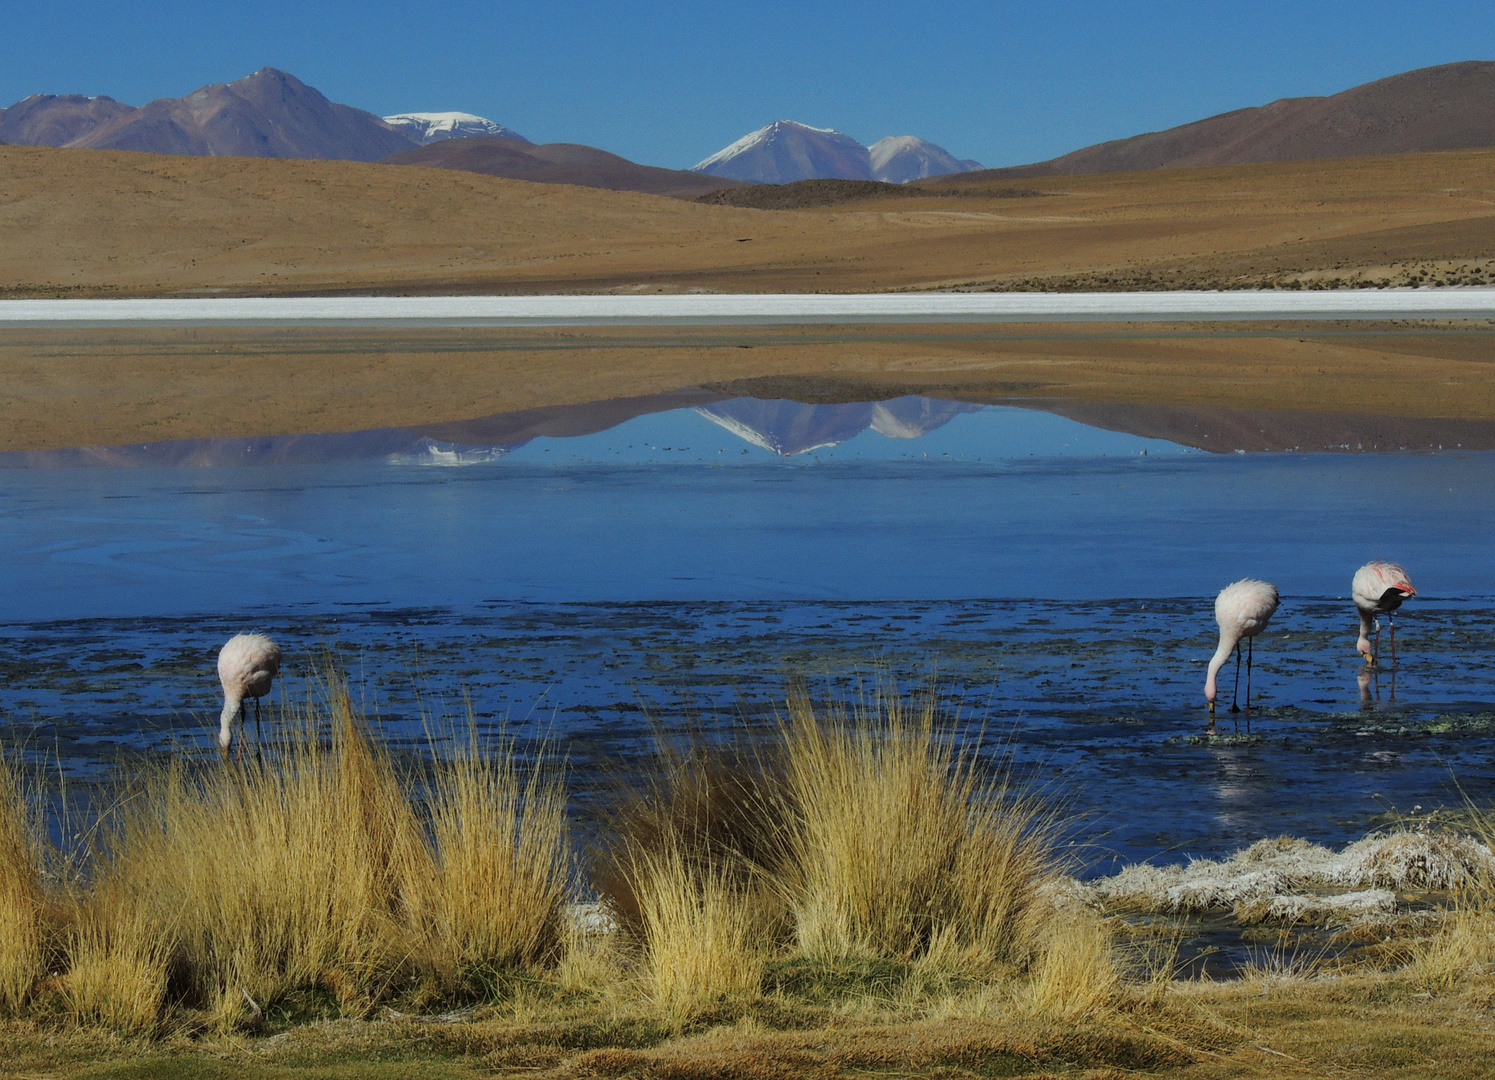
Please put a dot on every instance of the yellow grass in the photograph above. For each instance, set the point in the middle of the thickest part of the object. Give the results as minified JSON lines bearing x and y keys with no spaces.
{"x":703,"y":932}
{"x":20,"y":894}
{"x":502,"y":854}
{"x":1076,"y":975}
{"x":312,"y":870}
{"x":900,"y":848}
{"x":117,"y":971}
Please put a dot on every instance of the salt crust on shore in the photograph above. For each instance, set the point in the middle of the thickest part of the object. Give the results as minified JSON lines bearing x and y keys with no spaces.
{"x":1289,"y":880}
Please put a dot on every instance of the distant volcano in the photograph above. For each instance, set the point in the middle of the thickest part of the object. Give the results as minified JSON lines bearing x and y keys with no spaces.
{"x":267,"y":114}
{"x":786,"y":151}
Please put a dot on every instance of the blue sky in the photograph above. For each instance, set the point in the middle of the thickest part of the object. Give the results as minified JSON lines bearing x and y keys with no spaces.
{"x":668,"y":83}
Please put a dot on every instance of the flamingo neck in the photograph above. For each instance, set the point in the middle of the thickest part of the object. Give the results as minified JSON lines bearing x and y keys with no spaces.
{"x":1367,"y":624}
{"x":231,"y":705}
{"x":1228,"y":643}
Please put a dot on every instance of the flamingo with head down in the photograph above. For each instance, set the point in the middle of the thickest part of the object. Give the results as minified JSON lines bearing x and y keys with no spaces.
{"x":247,"y":665}
{"x":1378,"y":589}
{"x":1242,"y":609}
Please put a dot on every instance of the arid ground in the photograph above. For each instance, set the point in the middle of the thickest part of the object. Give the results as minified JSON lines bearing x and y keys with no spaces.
{"x":103,"y":223}
{"x":107,"y":387}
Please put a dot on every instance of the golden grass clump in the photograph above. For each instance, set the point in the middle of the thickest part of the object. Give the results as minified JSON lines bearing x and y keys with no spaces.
{"x":21,"y":901}
{"x":225,"y":887}
{"x":502,"y":854}
{"x":704,"y":932}
{"x":118,"y":970}
{"x":1075,"y":975}
{"x":305,"y":870}
{"x":899,"y":847}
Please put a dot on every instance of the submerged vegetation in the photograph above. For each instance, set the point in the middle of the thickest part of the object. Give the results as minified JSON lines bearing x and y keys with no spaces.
{"x":859,"y":890}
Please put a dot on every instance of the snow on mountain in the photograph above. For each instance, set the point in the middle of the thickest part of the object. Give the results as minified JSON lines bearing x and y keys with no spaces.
{"x":897,"y":159}
{"x":786,"y":151}
{"x":429,"y":127}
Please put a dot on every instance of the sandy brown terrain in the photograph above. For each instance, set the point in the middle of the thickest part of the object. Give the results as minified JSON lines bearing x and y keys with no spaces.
{"x":108,"y":387}
{"x":99,"y":223}
{"x":112,"y":223}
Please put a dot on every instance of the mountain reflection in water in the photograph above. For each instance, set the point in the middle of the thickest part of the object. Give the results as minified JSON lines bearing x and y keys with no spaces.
{"x":788,"y":429}
{"x":784,"y":428}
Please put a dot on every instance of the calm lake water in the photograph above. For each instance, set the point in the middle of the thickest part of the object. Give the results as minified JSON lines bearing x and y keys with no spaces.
{"x":1054,"y":581}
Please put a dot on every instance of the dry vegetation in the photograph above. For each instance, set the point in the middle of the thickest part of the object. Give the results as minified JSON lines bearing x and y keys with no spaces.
{"x":856,"y":895}
{"x":76,"y":222}
{"x":105,"y":223}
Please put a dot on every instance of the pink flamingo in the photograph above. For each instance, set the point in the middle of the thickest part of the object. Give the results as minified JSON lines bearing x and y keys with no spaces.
{"x":1379,"y":587}
{"x":1242,"y":609}
{"x":247,"y":665}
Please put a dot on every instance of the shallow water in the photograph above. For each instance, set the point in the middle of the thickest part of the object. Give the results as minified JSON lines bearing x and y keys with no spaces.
{"x":680,"y":570}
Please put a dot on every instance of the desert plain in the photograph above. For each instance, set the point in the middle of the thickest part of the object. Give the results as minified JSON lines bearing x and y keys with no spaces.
{"x":115,"y":224}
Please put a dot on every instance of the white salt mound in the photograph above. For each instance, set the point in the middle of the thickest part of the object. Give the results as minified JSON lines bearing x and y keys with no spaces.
{"x":1277,"y":879}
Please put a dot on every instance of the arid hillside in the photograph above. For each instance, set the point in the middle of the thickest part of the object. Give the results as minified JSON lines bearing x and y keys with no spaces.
{"x":109,"y":223}
{"x":1448,"y":107}
{"x":558,"y":163}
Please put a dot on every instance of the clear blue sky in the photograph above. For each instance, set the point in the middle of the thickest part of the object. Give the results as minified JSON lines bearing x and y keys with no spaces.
{"x":668,"y":83}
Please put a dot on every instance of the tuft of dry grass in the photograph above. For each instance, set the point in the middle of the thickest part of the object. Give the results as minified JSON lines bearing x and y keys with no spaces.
{"x":225,"y":887}
{"x":900,"y":848}
{"x":302,"y":870}
{"x":502,"y":849}
{"x":703,"y":931}
{"x":1076,"y":975}
{"x":118,"y":971}
{"x":21,"y":932}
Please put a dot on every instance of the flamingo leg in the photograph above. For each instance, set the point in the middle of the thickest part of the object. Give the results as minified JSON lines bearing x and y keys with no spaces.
{"x":1392,"y":620}
{"x":258,"y":756}
{"x":1375,"y":652}
{"x":1250,"y":647}
{"x":239,"y":746}
{"x":1236,"y":693}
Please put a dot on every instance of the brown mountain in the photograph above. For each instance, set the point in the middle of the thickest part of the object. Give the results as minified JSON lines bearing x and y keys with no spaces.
{"x":56,"y":119}
{"x":1450,"y":107}
{"x":267,"y":114}
{"x":560,"y":163}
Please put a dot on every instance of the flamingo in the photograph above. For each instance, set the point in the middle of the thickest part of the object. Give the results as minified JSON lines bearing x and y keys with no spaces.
{"x":247,"y":665}
{"x":1242,"y":609}
{"x":1379,"y":587}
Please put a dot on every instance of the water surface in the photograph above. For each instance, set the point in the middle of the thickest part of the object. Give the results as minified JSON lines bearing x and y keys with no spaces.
{"x":680,"y":569}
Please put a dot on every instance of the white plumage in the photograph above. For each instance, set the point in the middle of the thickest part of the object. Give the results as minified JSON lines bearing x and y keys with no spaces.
{"x":1379,"y":587}
{"x":1242,"y":609}
{"x":247,"y":666}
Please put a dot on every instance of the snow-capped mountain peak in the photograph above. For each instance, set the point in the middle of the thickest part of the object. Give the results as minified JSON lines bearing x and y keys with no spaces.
{"x":786,"y":150}
{"x":429,"y":127}
{"x":897,"y":159}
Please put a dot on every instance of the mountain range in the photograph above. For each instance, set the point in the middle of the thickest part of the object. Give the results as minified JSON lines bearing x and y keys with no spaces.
{"x":786,"y":151}
{"x":1448,"y":107}
{"x":267,"y":114}
{"x":274,"y":114}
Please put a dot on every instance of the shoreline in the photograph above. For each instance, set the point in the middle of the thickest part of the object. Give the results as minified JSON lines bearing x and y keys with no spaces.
{"x":110,"y":386}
